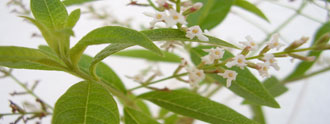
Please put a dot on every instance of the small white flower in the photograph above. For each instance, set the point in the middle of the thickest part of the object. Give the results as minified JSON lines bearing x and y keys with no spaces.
{"x":270,"y":60}
{"x":238,"y":60}
{"x":137,"y":78}
{"x":175,"y":18}
{"x":250,"y":43}
{"x":229,"y":75}
{"x":216,"y":53}
{"x":208,"y":59}
{"x":275,"y":43}
{"x":157,"y":17}
{"x":196,"y":31}
{"x":263,"y":70}
{"x":195,"y":76}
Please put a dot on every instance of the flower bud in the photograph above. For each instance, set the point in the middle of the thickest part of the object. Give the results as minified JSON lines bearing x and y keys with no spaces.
{"x":193,"y":9}
{"x":297,"y":44}
{"x":304,"y":58}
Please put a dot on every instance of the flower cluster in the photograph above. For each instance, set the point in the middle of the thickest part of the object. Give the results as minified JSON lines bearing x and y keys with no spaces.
{"x":172,"y":17}
{"x":195,"y":75}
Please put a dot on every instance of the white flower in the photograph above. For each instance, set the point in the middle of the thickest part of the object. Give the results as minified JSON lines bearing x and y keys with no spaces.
{"x":195,"y":76}
{"x":208,"y":59}
{"x":216,"y":53}
{"x":274,"y":43}
{"x":137,"y":78}
{"x":157,"y":17}
{"x":270,"y":60}
{"x":175,"y":18}
{"x":238,"y":60}
{"x":184,"y":62}
{"x":196,"y":31}
{"x":263,"y":70}
{"x":230,"y":75}
{"x":250,"y":43}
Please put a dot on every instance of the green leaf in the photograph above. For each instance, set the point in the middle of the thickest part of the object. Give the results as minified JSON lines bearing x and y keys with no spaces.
{"x":274,"y":86}
{"x":112,"y":34}
{"x":162,"y":113}
{"x":195,"y":106}
{"x":109,"y":50}
{"x":244,"y":4}
{"x":86,"y":103}
{"x":51,"y":13}
{"x":75,"y":2}
{"x":73,"y":19}
{"x":26,"y":58}
{"x":144,"y":54}
{"x":175,"y":34}
{"x":211,"y":14}
{"x":173,"y":119}
{"x":304,"y":66}
{"x":103,"y":71}
{"x":133,"y":116}
{"x":246,"y":84}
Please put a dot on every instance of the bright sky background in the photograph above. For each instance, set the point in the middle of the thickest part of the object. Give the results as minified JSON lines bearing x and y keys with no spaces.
{"x":308,"y":99}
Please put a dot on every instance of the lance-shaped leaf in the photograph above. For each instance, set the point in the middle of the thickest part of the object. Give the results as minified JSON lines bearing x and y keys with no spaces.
{"x":274,"y":86}
{"x":144,"y":54}
{"x":304,"y":66}
{"x":51,"y":13}
{"x":195,"y":106}
{"x":86,"y":103}
{"x":244,"y":4}
{"x":211,"y":14}
{"x":72,"y":19}
{"x":76,"y":2}
{"x":112,"y":34}
{"x":133,"y":116}
{"x":27,"y":58}
{"x":175,"y":34}
{"x":103,"y":71}
{"x":246,"y":84}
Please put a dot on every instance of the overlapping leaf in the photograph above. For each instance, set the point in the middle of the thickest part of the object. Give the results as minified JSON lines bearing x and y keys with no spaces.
{"x":76,"y":2}
{"x":86,"y":103}
{"x":244,"y":4}
{"x":195,"y":106}
{"x":246,"y":84}
{"x":103,"y":71}
{"x":211,"y":14}
{"x":26,"y":58}
{"x":112,"y":34}
{"x":133,"y":116}
{"x":144,"y":54}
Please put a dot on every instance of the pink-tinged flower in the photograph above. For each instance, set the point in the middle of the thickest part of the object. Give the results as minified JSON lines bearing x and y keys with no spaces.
{"x":238,"y":60}
{"x":175,"y":18}
{"x":195,"y":31}
{"x":270,"y":60}
{"x":195,"y":76}
{"x":229,"y":75}
{"x":157,"y":17}
{"x":161,"y":2}
{"x":250,"y":43}
{"x":263,"y":70}
{"x":274,"y":43}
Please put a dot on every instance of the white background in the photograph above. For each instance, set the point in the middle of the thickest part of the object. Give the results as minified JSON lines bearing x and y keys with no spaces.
{"x":306,"y":102}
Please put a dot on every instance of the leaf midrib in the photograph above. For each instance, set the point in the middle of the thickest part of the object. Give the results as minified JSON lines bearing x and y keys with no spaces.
{"x":49,"y":13}
{"x":86,"y":105}
{"x":187,"y":108}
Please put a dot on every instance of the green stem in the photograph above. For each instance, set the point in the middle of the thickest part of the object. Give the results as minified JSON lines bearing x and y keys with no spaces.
{"x":178,"y":6}
{"x":26,"y":113}
{"x":258,"y":114}
{"x":170,"y":77}
{"x":153,"y":5}
{"x":28,"y":90}
{"x":214,"y":91}
{"x":282,"y":53}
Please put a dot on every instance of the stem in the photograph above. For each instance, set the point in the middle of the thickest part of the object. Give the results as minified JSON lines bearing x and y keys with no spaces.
{"x":282,"y":53}
{"x":178,"y":6}
{"x":28,"y":90}
{"x":170,"y":77}
{"x":214,"y":91}
{"x":153,"y":5}
{"x":26,"y":113}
